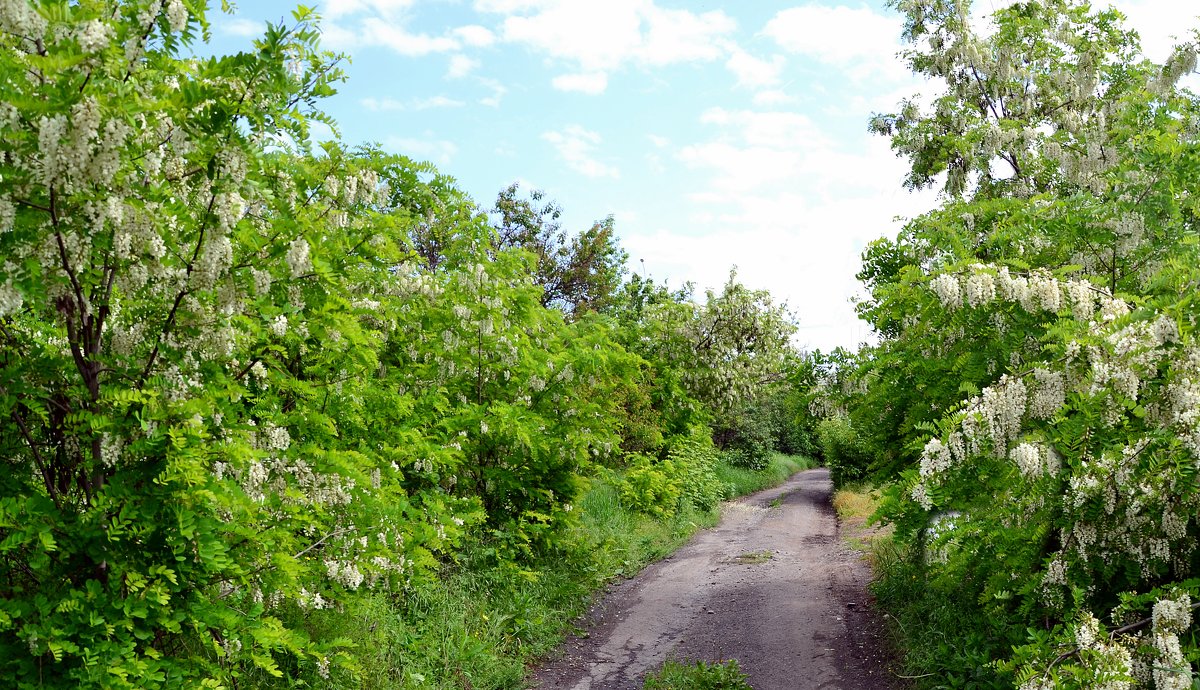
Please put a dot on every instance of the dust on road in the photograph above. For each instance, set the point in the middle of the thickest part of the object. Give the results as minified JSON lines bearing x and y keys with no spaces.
{"x":771,"y":586}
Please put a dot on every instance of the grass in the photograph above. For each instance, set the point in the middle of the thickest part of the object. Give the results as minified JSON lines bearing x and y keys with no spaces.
{"x":945,"y":637}
{"x":855,"y":505}
{"x":742,"y":481}
{"x":479,"y":625}
{"x":700,"y":675}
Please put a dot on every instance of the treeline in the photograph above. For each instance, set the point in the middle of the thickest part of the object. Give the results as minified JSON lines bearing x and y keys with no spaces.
{"x":252,"y":386}
{"x":1032,"y":401}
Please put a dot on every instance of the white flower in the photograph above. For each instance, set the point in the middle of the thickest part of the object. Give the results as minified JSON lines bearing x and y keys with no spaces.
{"x":1172,"y":615}
{"x":262,"y":281}
{"x":1030,"y":459}
{"x":94,"y":36}
{"x":277,"y":437}
{"x":981,"y":289}
{"x":297,"y":257}
{"x":11,"y":299}
{"x":1049,"y":395}
{"x":936,"y":458}
{"x":279,"y":325}
{"x":177,"y":15}
{"x":258,"y":371}
{"x":948,"y":290}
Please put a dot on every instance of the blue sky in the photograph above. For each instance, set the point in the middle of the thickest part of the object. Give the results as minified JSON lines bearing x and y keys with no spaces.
{"x":717,"y":133}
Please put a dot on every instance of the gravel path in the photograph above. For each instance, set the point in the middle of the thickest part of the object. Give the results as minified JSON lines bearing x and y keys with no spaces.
{"x":772,"y":586}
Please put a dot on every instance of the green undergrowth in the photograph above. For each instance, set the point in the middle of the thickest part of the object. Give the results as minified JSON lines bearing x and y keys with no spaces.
{"x":700,"y":675}
{"x":947,"y":639}
{"x":944,"y":637}
{"x":480,"y":624}
{"x":742,"y":481}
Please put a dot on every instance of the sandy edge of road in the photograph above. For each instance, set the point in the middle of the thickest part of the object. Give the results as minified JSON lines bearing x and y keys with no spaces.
{"x":773,"y":586}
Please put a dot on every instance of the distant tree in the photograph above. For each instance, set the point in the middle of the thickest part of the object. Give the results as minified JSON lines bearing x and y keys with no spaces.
{"x":578,"y":274}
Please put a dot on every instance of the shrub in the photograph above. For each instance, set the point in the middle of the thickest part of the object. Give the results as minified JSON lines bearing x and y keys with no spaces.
{"x":846,"y":456}
{"x":686,"y":476}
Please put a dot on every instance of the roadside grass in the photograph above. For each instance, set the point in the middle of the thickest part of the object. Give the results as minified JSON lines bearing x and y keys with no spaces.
{"x":742,"y":481}
{"x":480,"y":625}
{"x":700,"y":675}
{"x":855,"y":505}
{"x":948,"y":639}
{"x":945,"y":640}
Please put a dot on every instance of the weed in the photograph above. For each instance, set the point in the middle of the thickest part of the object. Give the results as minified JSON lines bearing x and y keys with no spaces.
{"x":700,"y":675}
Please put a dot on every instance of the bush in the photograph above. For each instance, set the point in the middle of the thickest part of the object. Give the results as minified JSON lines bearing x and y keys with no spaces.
{"x":749,"y":441}
{"x":686,"y":477}
{"x":695,"y":461}
{"x":845,"y":454}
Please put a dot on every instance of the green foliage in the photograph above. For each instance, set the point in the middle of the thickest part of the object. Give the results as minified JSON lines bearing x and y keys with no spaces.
{"x":700,"y":675}
{"x":578,"y":274}
{"x":256,"y":390}
{"x":1032,"y":396}
{"x":686,"y":477}
{"x":847,"y":458}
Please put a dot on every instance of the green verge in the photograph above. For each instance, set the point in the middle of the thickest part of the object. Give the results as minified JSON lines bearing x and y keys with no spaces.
{"x":481,"y":625}
{"x":945,"y":639}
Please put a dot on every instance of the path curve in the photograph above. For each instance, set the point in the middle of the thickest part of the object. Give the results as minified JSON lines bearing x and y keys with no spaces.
{"x":772,"y":586}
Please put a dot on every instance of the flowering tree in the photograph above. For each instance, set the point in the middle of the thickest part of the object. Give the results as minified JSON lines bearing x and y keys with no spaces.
{"x":1055,"y":291}
{"x":191,"y":307}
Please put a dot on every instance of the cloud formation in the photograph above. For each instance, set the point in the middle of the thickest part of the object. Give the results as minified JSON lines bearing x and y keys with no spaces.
{"x":594,"y":39}
{"x":858,"y":41}
{"x":576,"y":146}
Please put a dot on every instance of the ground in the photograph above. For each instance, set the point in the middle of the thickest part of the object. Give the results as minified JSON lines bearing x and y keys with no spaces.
{"x":773,"y":586}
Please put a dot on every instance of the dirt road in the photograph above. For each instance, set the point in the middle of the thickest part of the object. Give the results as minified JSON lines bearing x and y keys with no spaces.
{"x":771,"y":586}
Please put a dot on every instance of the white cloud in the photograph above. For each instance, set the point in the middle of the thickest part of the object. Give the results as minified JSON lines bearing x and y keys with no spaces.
{"x":773,"y":97}
{"x":384,"y":104}
{"x":597,"y":38}
{"x":460,"y":66}
{"x":497,"y":92}
{"x":658,"y":141}
{"x":437,"y":151}
{"x":475,"y":35}
{"x":332,"y":9}
{"x":240,"y":26}
{"x":576,"y":146}
{"x":824,"y":34}
{"x":377,"y":31}
{"x":674,"y":36}
{"x":754,"y":72}
{"x":352,"y":24}
{"x":586,"y":82}
{"x":791,"y":206}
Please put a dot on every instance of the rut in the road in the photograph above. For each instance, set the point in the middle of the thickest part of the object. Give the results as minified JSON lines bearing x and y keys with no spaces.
{"x":771,"y":586}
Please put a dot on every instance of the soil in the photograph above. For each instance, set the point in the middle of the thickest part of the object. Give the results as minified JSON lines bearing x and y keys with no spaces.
{"x":773,"y":586}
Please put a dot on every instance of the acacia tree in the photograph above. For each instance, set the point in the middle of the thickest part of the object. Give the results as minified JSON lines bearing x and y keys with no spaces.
{"x":1058,"y":298}
{"x":190,"y":312}
{"x":1054,"y":144}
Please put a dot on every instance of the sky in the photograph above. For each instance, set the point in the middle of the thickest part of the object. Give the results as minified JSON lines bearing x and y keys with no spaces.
{"x":717,"y":133}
